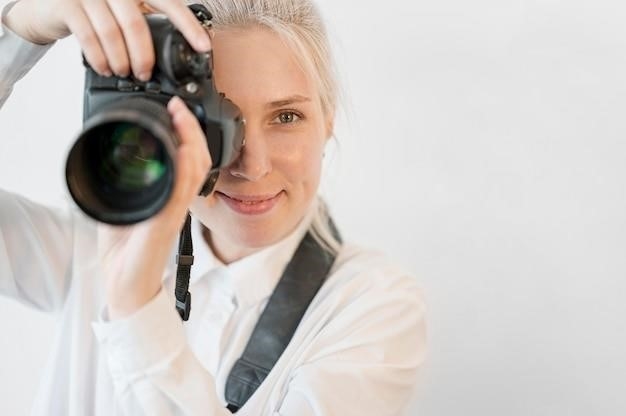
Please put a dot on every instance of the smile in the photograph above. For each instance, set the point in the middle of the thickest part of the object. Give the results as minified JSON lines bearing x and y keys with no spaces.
{"x":250,"y":204}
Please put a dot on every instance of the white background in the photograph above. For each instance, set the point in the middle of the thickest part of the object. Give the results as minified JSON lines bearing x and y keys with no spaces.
{"x":483,"y":148}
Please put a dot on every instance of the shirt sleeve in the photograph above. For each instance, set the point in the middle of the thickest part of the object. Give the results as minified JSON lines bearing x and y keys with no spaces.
{"x":366,"y":360}
{"x":364,"y":363}
{"x":35,"y":241}
{"x":36,"y":246}
{"x":17,"y":57}
{"x":153,"y":369}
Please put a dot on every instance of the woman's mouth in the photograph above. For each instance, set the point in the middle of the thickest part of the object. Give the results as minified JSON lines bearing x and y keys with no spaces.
{"x":250,"y":204}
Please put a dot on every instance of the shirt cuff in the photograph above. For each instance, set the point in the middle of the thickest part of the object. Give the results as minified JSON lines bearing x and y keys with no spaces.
{"x":144,"y":342}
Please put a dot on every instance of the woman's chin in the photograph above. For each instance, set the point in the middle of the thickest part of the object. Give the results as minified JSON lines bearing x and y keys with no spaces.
{"x":234,"y":232}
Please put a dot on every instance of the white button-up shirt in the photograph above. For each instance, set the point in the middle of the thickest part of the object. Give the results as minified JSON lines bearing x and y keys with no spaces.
{"x":356,"y":351}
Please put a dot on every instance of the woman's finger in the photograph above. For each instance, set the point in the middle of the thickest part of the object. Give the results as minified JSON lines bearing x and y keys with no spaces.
{"x":110,"y":36}
{"x":137,"y":36}
{"x":189,"y":131}
{"x":185,"y":21}
{"x":79,"y":24}
{"x":193,"y":160}
{"x":192,"y":137}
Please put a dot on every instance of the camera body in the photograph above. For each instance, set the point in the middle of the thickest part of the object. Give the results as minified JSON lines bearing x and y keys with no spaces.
{"x":178,"y":71}
{"x":120,"y":169}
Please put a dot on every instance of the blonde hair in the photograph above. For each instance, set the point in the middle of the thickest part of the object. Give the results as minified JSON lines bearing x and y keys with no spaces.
{"x":299,"y":24}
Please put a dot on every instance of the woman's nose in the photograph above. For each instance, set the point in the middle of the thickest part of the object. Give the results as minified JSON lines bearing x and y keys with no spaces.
{"x":253,"y":162}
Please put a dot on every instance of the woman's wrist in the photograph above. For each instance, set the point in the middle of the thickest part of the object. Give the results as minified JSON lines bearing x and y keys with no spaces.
{"x":122,"y":305}
{"x":144,"y":257}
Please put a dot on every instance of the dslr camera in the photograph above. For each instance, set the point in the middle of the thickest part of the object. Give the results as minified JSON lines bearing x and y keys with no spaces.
{"x":121,"y":168}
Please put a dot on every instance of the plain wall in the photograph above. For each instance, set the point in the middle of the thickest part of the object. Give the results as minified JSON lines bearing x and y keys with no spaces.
{"x":483,"y":147}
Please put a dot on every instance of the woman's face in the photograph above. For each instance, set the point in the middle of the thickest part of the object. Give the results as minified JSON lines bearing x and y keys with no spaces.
{"x":263,"y":195}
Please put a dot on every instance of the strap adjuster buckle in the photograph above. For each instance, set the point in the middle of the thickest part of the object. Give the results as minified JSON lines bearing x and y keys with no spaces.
{"x":184,"y":308}
{"x":184,"y":260}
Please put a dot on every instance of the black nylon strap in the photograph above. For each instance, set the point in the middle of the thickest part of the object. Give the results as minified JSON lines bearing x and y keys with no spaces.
{"x":184,"y":260}
{"x":297,"y":287}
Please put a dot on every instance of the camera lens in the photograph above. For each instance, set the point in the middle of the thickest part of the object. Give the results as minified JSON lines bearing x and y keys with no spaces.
{"x":120,"y":169}
{"x":128,"y":157}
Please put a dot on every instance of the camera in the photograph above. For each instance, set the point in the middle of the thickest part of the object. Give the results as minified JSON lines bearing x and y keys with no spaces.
{"x":121,"y":168}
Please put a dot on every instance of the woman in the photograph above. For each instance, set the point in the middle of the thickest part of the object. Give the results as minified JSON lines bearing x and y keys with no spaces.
{"x":122,"y":348}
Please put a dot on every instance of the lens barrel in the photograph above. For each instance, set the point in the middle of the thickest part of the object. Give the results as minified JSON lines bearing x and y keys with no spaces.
{"x":120,"y":170}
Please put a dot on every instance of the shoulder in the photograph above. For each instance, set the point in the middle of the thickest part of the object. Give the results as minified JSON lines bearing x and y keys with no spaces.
{"x":360,"y":270}
{"x":370,"y":303}
{"x":367,"y":288}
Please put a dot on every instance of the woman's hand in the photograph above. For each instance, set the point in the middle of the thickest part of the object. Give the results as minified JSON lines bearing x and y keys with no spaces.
{"x":115,"y":39}
{"x":134,"y":257}
{"x":113,"y":34}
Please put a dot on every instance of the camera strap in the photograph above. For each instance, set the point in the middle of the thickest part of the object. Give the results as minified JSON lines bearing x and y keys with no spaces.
{"x":302,"y":278}
{"x":184,"y":260}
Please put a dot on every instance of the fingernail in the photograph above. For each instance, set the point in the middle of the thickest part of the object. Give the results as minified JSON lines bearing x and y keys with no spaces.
{"x":144,"y":76}
{"x":173,"y":101}
{"x":204,"y":43}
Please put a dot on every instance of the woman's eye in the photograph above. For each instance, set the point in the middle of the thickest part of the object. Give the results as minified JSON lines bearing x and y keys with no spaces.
{"x":287,"y":117}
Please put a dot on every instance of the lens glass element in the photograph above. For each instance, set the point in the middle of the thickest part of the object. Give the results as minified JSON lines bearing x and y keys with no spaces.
{"x":131,"y":158}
